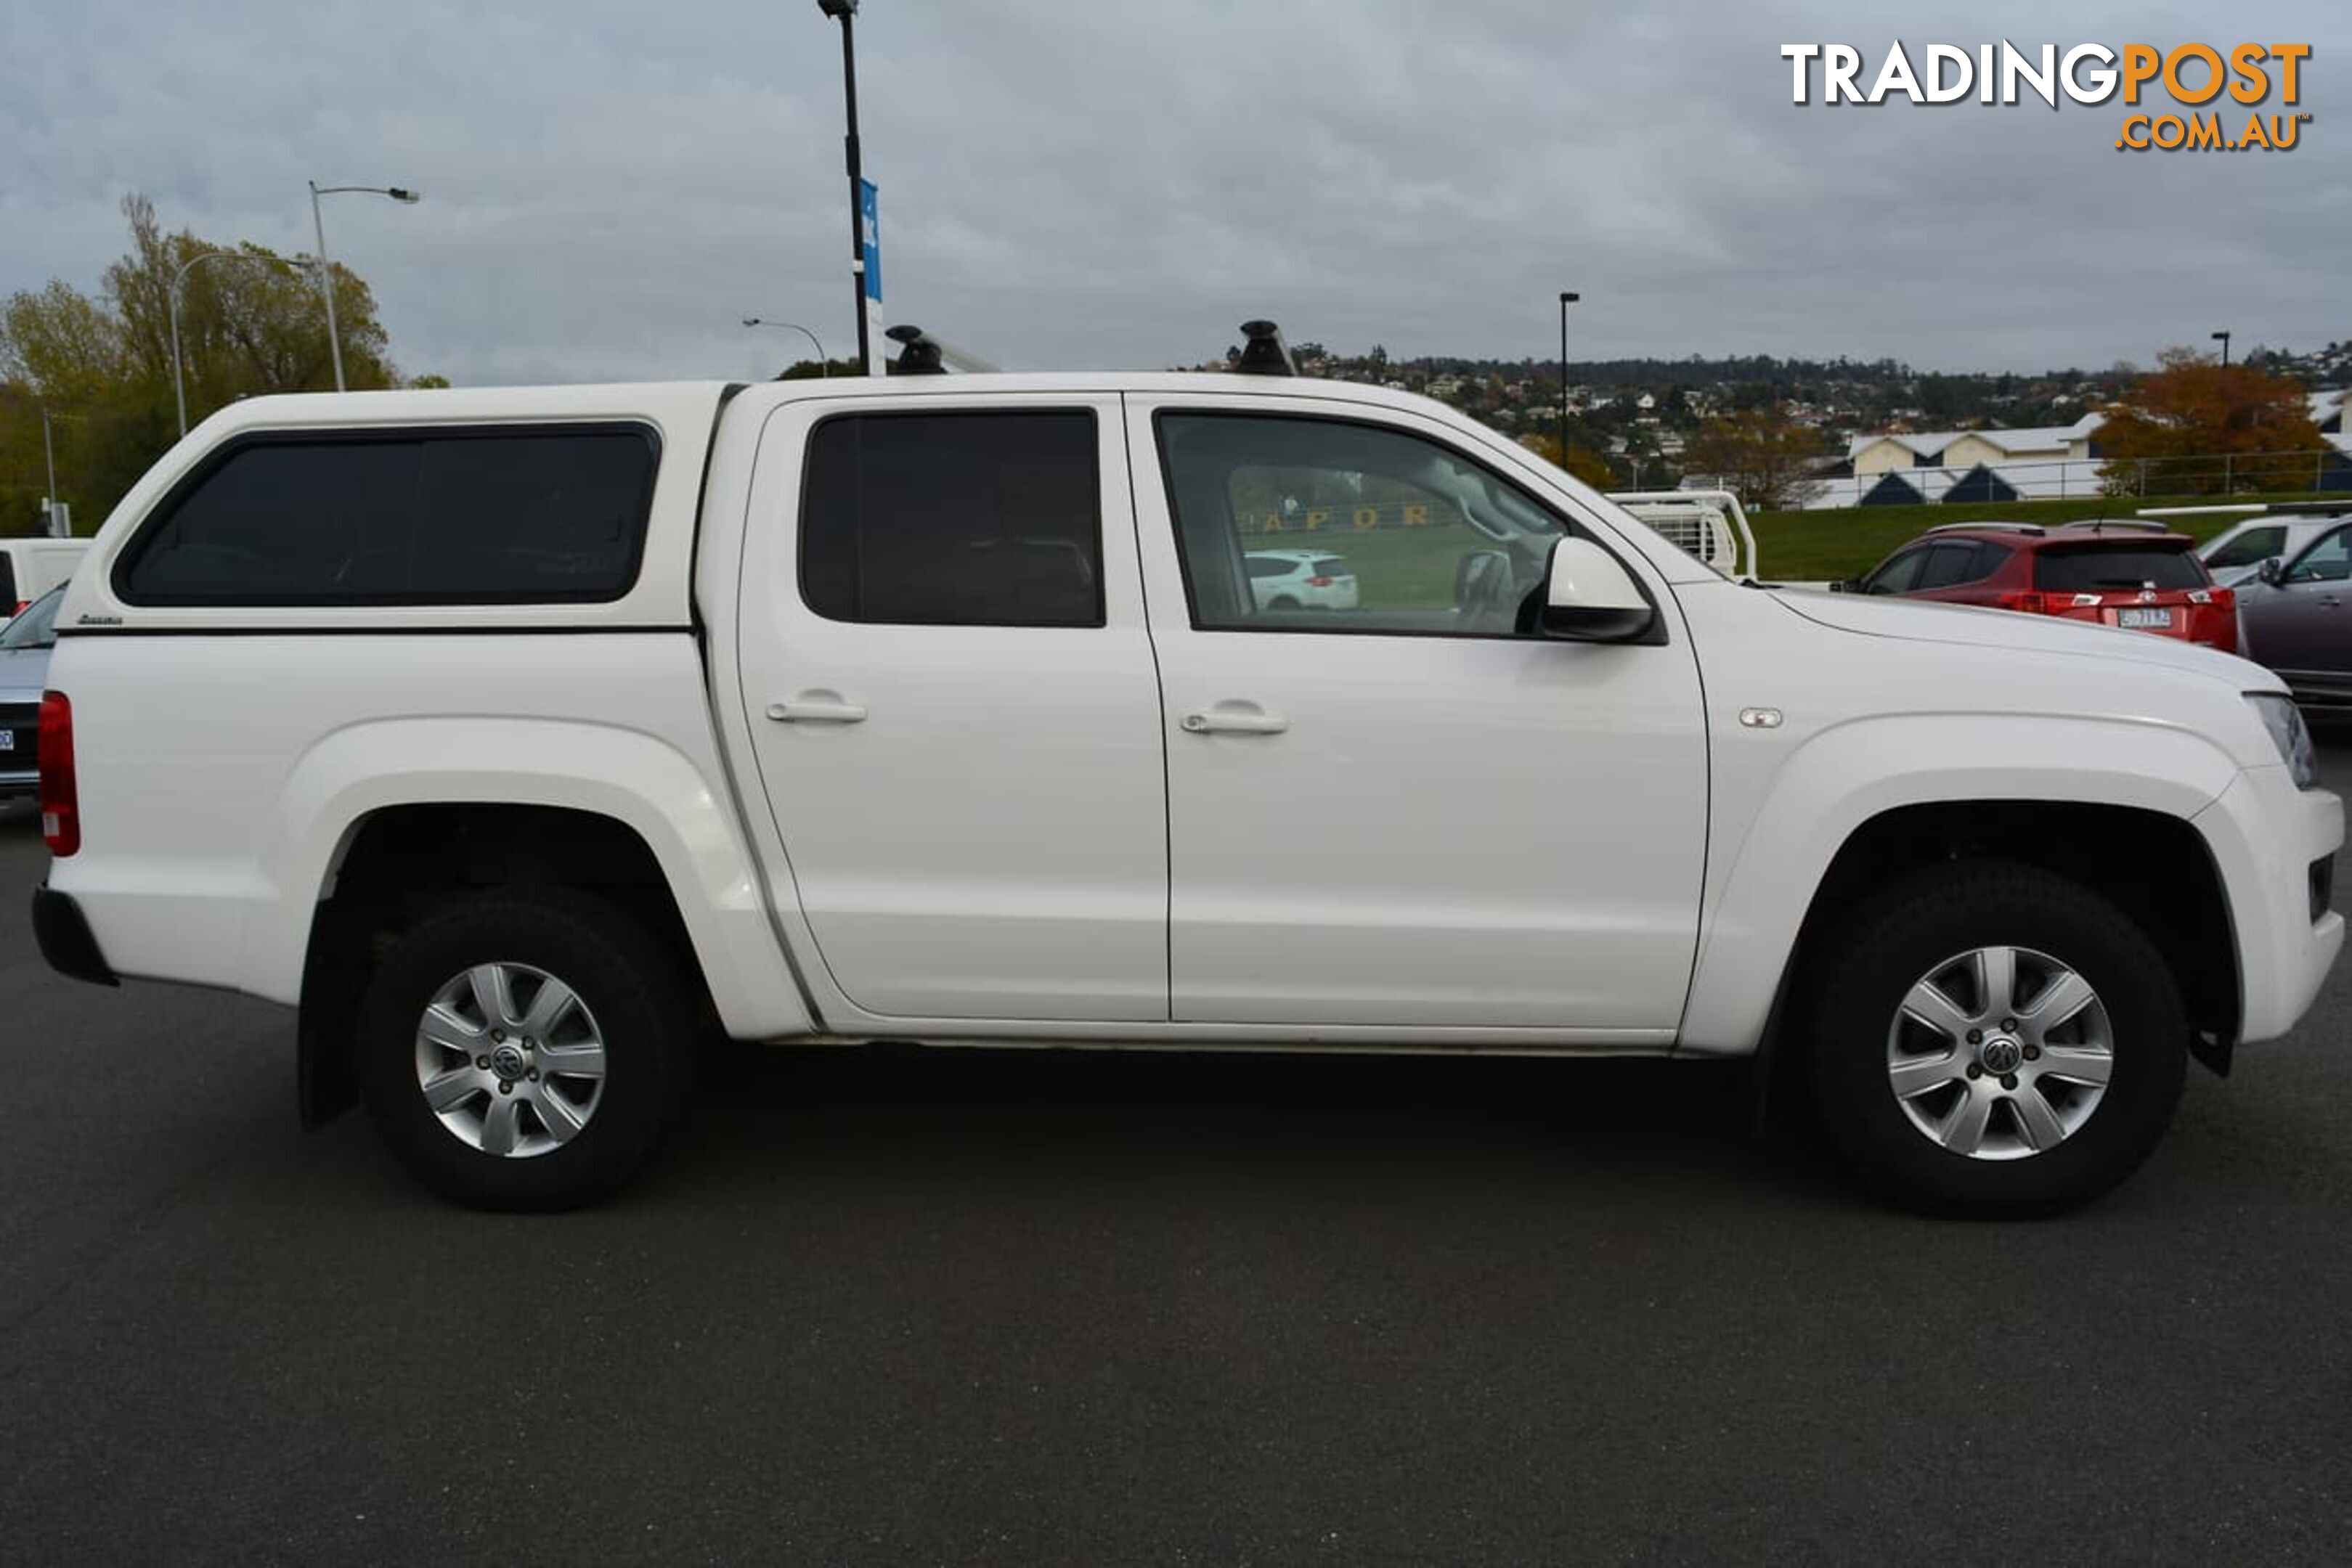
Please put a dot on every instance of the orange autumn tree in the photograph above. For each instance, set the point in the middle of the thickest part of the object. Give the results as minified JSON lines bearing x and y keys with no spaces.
{"x":1583,"y":463}
{"x":2198,"y":427}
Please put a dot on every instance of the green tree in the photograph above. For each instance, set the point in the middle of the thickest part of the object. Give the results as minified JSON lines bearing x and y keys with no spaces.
{"x":1760,"y":454}
{"x":251,"y":322}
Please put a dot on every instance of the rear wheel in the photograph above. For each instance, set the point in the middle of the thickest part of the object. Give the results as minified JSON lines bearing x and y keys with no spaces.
{"x":527,"y":1049}
{"x":1284,"y":602}
{"x":1994,"y":1039}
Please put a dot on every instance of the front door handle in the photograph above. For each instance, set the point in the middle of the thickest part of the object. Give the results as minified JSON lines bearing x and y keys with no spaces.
{"x":2328,"y":603}
{"x":1233,"y":716}
{"x":817,"y":708}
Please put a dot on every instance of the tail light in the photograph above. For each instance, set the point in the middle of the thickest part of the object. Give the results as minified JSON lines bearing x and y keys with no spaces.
{"x":2219,"y":598}
{"x":1318,"y":583}
{"x":2031,"y":602}
{"x":22,"y":605}
{"x":60,"y":807}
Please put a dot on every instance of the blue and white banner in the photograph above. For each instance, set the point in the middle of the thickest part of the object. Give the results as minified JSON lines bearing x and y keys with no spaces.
{"x":869,"y":228}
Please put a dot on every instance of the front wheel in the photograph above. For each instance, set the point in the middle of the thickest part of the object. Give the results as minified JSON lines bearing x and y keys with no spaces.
{"x":1995,"y":1040}
{"x":525,"y":1050}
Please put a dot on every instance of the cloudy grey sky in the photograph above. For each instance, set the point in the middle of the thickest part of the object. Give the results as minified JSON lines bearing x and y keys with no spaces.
{"x":610,"y":185}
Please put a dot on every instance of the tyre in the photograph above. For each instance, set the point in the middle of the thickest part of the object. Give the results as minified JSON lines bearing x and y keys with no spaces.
{"x":526,"y":1050}
{"x":1284,"y":602}
{"x":1994,"y":1040}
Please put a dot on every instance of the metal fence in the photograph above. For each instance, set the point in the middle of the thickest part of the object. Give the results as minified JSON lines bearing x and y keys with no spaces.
{"x":2066,"y":478}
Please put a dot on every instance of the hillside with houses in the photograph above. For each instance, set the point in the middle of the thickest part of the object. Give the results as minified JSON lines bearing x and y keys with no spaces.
{"x":1888,"y":433}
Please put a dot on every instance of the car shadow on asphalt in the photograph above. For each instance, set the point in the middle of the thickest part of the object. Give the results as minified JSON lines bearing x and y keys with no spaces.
{"x":1392,"y":1122}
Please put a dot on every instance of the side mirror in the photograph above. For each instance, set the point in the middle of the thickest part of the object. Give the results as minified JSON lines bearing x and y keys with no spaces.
{"x":1846,"y":585}
{"x":1591,"y":599}
{"x":2273,"y":571}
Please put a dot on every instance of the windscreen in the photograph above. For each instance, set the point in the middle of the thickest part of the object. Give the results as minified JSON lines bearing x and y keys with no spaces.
{"x":37,"y":628}
{"x":2109,"y":568}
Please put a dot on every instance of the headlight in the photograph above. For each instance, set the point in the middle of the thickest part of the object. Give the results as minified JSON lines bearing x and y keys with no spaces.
{"x":2289,"y":733}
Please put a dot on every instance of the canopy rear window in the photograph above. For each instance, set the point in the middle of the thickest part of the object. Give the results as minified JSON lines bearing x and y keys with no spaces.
{"x":443,"y":516}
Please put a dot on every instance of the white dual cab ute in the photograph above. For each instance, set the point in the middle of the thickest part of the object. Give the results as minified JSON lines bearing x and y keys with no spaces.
{"x":523,"y":740}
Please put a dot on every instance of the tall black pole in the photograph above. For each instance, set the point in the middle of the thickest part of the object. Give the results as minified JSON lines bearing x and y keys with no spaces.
{"x":857,"y":203}
{"x":1566,"y":299}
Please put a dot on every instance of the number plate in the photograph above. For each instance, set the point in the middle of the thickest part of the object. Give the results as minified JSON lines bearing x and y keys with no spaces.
{"x":2143,"y":618}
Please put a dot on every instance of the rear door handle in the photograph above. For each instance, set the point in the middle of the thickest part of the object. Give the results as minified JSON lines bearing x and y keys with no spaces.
{"x":817,"y":708}
{"x":1233,"y":716}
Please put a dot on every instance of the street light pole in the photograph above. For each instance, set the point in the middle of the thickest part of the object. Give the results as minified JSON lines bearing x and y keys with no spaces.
{"x":326,"y":272}
{"x":49,"y":458}
{"x":179,"y":381}
{"x":1566,"y":299}
{"x":824,"y":366}
{"x":2223,"y":339}
{"x":844,"y":12}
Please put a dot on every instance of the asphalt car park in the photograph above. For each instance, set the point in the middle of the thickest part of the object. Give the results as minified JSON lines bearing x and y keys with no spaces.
{"x":895,"y":1306}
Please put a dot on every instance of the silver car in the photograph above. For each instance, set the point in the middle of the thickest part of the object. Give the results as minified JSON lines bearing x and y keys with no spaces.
{"x":2295,"y":616}
{"x":25,"y":645}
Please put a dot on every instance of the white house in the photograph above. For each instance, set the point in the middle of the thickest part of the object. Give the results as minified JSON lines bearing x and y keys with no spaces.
{"x":2051,"y":461}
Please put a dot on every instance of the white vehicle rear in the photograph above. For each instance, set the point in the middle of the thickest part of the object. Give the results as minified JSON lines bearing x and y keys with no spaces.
{"x":1710,"y":525}
{"x":31,"y":567}
{"x":1301,"y":580}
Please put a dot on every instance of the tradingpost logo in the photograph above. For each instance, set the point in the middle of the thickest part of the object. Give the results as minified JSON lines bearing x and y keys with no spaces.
{"x":2199,"y":98}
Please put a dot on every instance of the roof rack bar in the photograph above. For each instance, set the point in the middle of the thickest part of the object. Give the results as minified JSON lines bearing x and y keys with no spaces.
{"x":922,"y":354}
{"x":2137,"y":525}
{"x":2034,"y":530}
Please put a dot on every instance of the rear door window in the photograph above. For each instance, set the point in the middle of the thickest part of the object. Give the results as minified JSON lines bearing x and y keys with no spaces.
{"x":954,"y":520}
{"x":1950,"y":564}
{"x":502,"y":516}
{"x":2114,"y":568}
{"x":1900,"y":575}
{"x":7,"y":582}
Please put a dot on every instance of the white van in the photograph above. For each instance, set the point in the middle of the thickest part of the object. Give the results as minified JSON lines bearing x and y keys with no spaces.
{"x":30,"y":568}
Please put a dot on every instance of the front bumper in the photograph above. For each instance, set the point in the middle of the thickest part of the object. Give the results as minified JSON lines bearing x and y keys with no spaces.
{"x":2266,"y":837}
{"x":65,"y":938}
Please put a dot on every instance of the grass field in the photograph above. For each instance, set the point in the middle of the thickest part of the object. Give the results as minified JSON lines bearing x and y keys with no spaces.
{"x":1396,"y":569}
{"x":1810,"y":546}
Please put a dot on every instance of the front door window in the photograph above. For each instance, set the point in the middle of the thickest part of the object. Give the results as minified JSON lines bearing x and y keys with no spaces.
{"x":1320,"y":525}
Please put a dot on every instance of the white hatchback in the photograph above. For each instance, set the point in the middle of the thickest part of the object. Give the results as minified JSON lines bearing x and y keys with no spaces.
{"x":1301,"y":580}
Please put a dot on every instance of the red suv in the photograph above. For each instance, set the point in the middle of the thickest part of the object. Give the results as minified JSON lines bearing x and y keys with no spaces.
{"x":2137,"y":575}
